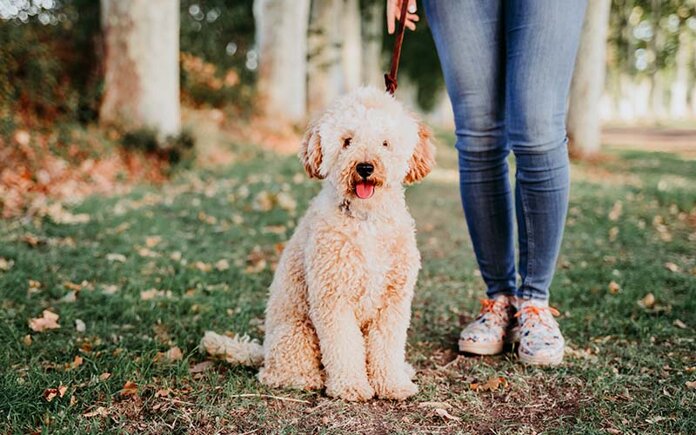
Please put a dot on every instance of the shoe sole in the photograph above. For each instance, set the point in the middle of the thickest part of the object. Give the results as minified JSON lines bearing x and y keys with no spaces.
{"x":481,"y":348}
{"x":540,"y":360}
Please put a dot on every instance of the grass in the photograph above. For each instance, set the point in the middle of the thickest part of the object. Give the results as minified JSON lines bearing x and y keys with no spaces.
{"x":626,"y":370}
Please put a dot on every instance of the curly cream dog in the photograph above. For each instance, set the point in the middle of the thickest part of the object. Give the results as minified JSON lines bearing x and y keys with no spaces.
{"x":340,"y":301}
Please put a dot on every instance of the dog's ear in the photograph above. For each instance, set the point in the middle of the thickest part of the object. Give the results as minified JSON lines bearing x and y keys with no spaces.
{"x":310,"y":152}
{"x":423,"y":158}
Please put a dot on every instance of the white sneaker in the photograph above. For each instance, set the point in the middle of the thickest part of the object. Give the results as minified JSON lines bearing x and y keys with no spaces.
{"x":486,"y":334}
{"x":541,"y":342}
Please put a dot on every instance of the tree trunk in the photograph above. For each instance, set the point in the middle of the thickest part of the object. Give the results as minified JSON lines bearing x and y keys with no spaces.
{"x":372,"y":28}
{"x":281,"y":37}
{"x":352,"y":45}
{"x":584,"y":129}
{"x":680,"y":86}
{"x":141,"y":85}
{"x":325,"y":54}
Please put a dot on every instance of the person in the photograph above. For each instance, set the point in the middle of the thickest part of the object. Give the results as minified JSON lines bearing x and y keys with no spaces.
{"x":507,"y":66}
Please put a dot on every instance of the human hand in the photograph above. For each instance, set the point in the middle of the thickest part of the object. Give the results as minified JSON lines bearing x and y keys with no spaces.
{"x":394,"y":13}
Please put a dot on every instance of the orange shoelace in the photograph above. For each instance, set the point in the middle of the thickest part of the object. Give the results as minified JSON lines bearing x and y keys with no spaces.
{"x":487,"y":306}
{"x":533,"y":310}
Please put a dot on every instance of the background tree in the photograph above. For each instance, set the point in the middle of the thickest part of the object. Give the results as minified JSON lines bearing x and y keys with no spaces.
{"x":584,"y":129}
{"x":281,"y":38}
{"x":141,"y":82}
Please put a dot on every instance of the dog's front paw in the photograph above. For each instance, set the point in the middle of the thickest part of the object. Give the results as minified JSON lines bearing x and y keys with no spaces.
{"x":352,"y":391}
{"x":396,"y":390}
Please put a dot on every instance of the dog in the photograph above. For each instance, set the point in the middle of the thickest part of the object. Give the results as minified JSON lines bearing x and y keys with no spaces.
{"x":340,"y":301}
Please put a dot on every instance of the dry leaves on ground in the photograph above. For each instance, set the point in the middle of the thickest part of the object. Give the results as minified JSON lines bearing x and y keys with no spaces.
{"x":129,"y":389}
{"x":48,"y":320}
{"x":51,"y":393}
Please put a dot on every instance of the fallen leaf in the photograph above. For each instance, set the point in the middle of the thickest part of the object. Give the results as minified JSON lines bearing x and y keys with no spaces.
{"x":50,"y":393}
{"x":110,"y":289}
{"x":201,"y":367}
{"x":164,"y":392}
{"x":672,"y":267}
{"x":70,"y":297}
{"x":173,"y":354}
{"x":616,"y":211}
{"x":104,"y":376}
{"x":146,"y":252}
{"x":614,"y":287}
{"x":263,"y":201}
{"x":116,"y":257}
{"x":129,"y":389}
{"x":679,"y":324}
{"x":152,"y":241}
{"x":26,"y":340}
{"x":222,"y":265}
{"x":153,"y":293}
{"x":48,"y":320}
{"x":80,"y":325}
{"x":176,"y":256}
{"x":648,"y":301}
{"x":100,"y":411}
{"x":492,"y":384}
{"x":77,"y":362}
{"x":5,"y":264}
{"x":286,"y":202}
{"x":34,"y":286}
{"x":446,"y":415}
{"x":203,"y":267}
{"x":691,"y":385}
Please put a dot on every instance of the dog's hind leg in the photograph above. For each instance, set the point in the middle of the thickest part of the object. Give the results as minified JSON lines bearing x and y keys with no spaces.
{"x":291,"y":346}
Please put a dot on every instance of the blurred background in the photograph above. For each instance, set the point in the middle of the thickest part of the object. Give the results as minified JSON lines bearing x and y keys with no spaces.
{"x":93,"y":93}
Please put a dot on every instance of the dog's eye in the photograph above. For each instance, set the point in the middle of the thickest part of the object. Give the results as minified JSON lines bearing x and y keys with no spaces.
{"x":385,"y":144}
{"x":346,"y":142}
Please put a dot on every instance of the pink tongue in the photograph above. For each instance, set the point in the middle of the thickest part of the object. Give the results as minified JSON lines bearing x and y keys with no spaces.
{"x":364,"y":190}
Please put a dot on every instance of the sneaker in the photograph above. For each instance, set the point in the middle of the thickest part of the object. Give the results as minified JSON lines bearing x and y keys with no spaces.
{"x":541,"y":342}
{"x":486,"y":335}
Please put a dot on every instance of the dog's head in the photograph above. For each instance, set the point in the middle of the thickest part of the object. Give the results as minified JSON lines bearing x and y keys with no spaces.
{"x":367,"y":142}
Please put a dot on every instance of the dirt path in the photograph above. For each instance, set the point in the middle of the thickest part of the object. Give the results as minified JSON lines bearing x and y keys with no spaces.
{"x":681,"y":141}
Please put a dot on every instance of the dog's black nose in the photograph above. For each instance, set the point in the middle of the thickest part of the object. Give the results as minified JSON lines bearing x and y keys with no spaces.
{"x":365,"y":169}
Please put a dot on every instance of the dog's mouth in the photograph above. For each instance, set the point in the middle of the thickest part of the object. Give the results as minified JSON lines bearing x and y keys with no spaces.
{"x":364,"y":188}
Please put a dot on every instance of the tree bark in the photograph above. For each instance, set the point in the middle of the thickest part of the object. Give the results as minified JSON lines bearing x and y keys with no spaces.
{"x":584,"y":129}
{"x":141,"y":85}
{"x":352,"y":45}
{"x":325,"y":54}
{"x":679,"y":93}
{"x":372,"y":28}
{"x":281,"y":37}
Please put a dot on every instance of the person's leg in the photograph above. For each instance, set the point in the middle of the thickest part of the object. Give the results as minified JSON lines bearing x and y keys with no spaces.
{"x":542,"y":37}
{"x":469,"y":40}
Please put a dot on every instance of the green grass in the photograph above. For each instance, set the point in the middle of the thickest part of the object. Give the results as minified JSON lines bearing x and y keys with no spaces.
{"x":626,"y":371}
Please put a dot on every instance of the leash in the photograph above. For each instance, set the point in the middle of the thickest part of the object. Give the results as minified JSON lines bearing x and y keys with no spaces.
{"x":390,"y":78}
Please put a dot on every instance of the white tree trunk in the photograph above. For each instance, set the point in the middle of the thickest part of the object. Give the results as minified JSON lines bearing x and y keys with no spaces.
{"x":584,"y":129}
{"x":281,"y":38}
{"x":372,"y":28}
{"x":141,"y":86}
{"x":352,"y":45}
{"x":680,"y":86}
{"x":325,"y":54}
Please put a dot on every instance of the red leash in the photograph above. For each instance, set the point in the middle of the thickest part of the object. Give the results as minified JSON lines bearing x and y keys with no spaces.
{"x":390,"y":78}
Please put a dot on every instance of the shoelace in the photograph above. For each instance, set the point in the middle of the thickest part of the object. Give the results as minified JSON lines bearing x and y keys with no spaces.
{"x":534,"y":311}
{"x":488,"y":306}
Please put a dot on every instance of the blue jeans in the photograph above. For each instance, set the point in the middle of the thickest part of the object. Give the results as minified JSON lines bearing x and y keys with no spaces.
{"x":507,"y":66}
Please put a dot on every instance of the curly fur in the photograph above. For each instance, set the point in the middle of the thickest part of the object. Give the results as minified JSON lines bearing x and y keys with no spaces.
{"x":340,"y":301}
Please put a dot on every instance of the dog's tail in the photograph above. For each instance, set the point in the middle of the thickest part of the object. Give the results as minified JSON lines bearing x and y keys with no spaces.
{"x":240,"y":350}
